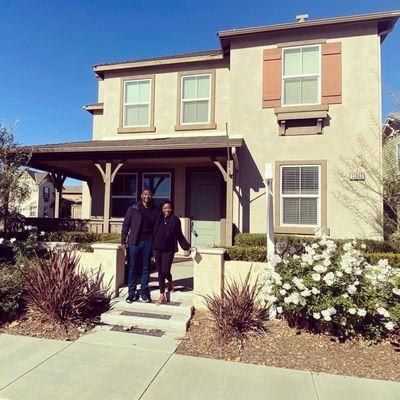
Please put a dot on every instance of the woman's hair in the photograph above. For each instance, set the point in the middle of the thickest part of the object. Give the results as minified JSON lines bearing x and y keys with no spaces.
{"x":167,"y":202}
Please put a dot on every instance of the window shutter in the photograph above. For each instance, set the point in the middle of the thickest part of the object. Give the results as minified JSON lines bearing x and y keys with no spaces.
{"x":272,"y":78}
{"x":331,"y":73}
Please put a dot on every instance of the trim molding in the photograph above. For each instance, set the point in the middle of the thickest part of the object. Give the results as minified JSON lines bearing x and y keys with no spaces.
{"x":302,"y":43}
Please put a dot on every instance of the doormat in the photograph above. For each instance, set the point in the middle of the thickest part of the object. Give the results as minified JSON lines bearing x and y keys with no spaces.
{"x":138,"y":331}
{"x":145,"y":315}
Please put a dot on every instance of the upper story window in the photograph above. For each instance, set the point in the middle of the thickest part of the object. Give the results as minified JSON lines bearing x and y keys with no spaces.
{"x":300,"y":192}
{"x":137,"y":103}
{"x":195,"y":107}
{"x":301,"y":77}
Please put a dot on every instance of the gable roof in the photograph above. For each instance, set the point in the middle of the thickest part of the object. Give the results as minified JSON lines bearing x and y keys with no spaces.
{"x":385,"y":21}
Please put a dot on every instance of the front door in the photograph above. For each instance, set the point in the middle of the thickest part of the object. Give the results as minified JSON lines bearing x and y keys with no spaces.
{"x":205,"y":208}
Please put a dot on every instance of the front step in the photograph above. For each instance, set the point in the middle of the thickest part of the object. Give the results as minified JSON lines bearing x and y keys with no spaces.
{"x":137,"y":317}
{"x":179,"y":295}
{"x":184,"y":306}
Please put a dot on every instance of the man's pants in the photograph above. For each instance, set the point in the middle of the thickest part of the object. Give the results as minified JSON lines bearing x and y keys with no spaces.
{"x":143,"y":249}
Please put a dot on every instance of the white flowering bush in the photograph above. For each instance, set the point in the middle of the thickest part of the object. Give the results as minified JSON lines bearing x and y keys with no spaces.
{"x":333,"y":288}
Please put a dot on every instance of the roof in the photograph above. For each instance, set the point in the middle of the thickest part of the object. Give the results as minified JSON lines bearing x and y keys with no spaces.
{"x":385,"y":20}
{"x":391,"y":128}
{"x":388,"y":19}
{"x":72,"y":189}
{"x":135,"y":145}
{"x":37,"y":176}
{"x":206,"y":55}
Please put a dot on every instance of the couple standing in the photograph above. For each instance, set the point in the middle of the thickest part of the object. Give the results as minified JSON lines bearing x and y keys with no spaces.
{"x":151,"y":231}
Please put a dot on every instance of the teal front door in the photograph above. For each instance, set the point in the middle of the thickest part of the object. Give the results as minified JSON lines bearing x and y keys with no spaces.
{"x":205,"y":207}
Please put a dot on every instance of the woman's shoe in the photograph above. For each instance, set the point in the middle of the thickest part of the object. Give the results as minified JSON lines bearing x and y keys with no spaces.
{"x":170,"y":287}
{"x":161,"y":300}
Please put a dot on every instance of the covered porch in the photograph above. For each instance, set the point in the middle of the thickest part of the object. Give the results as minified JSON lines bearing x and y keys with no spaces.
{"x":196,"y":173}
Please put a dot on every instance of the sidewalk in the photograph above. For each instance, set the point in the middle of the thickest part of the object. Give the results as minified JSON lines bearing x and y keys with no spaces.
{"x":124,"y":366}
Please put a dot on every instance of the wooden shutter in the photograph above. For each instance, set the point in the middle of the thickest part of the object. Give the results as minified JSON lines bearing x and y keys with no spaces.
{"x":272,"y":78}
{"x":331,"y":74}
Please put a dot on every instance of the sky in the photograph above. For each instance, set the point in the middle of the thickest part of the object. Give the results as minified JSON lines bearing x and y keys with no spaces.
{"x":48,"y":49}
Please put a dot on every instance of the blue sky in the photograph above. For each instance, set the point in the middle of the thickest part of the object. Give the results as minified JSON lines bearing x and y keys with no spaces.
{"x":48,"y":48}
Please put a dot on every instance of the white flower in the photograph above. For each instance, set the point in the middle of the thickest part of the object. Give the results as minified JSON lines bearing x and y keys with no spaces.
{"x":389,"y":326}
{"x":362,"y":312}
{"x":306,"y":293}
{"x":314,"y":290}
{"x":329,"y":278}
{"x":271,"y":299}
{"x":318,"y":233}
{"x":316,"y":315}
{"x":282,"y":292}
{"x":286,"y":286}
{"x":12,"y":240}
{"x":351,"y":289}
{"x":320,"y":268}
{"x":396,"y":291}
{"x":42,"y":233}
{"x":299,"y":283}
{"x":279,"y":310}
{"x":382,"y":311}
{"x":347,"y":246}
{"x":345,"y":295}
{"x":363,"y":246}
{"x":327,"y":318}
{"x":327,"y":262}
{"x":339,"y":274}
{"x":315,"y":245}
{"x":316,"y":277}
{"x":1,"y":240}
{"x":352,"y":311}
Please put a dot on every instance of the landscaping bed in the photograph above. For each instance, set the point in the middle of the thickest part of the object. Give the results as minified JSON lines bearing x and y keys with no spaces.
{"x":286,"y":347}
{"x":28,"y":325}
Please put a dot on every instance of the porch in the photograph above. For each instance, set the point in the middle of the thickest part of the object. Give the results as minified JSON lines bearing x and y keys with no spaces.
{"x":196,"y":173}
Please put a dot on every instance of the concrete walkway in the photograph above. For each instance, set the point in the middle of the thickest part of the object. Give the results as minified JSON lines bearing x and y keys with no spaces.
{"x":124,"y":366}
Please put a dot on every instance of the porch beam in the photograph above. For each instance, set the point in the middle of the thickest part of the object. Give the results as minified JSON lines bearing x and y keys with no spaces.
{"x":229,"y":203}
{"x":108,"y":175}
{"x":220,"y":167}
{"x":58,"y":182}
{"x":235,"y":158}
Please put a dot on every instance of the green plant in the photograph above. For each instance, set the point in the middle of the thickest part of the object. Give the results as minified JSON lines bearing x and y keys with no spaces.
{"x":238,"y":312}
{"x":11,"y":287}
{"x":336,"y":289}
{"x":83,"y":237}
{"x":374,"y":258}
{"x":59,"y":291}
{"x":246,"y":253}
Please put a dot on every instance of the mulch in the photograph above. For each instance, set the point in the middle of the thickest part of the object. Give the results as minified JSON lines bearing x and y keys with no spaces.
{"x":286,"y":347}
{"x":30,"y":325}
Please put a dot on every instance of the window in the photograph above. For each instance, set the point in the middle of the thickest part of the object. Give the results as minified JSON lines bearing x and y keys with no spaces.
{"x":300,"y":195}
{"x":123,"y":193}
{"x":33,"y":210}
{"x":195,"y":107}
{"x":45,"y":212}
{"x":46,"y":193}
{"x":137,"y":103}
{"x":160,"y":184}
{"x":301,"y":75}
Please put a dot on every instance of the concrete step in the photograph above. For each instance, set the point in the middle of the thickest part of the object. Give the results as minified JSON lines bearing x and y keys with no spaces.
{"x":180,"y":294}
{"x":168,"y":322}
{"x":184,"y":307}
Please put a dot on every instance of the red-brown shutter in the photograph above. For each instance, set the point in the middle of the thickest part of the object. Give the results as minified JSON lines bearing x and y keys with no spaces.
{"x":331,"y":74}
{"x":272,"y":78}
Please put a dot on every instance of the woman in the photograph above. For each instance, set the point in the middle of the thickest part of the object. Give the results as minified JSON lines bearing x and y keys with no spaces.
{"x":167,"y":234}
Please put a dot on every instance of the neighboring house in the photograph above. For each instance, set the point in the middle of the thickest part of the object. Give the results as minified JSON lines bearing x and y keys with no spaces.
{"x":200,"y":127}
{"x":391,"y":139}
{"x":72,"y":196}
{"x":40,"y":203}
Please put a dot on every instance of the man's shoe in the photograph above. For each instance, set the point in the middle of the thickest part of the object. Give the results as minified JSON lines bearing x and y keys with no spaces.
{"x":131,"y":299}
{"x":145,"y":299}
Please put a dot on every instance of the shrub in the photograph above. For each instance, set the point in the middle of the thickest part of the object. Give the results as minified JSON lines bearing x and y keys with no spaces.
{"x":58,"y":291}
{"x":83,"y":237}
{"x":392,"y":258}
{"x":333,"y":288}
{"x":246,"y":253}
{"x":238,"y":312}
{"x":11,"y":287}
{"x":293,"y":244}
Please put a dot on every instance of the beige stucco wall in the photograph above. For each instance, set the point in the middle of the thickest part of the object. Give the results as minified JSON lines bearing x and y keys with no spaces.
{"x":357,"y":116}
{"x":238,"y":102}
{"x":165,"y":104}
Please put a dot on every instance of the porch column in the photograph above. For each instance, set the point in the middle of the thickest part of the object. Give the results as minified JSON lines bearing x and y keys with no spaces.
{"x":58,"y":181}
{"x":108,"y":175}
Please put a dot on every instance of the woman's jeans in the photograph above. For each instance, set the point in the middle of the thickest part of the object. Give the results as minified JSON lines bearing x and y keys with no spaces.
{"x":144,"y":250}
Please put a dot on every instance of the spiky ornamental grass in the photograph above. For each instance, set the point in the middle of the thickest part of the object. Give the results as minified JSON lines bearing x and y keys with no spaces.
{"x":238,"y":312}
{"x":60,"y":292}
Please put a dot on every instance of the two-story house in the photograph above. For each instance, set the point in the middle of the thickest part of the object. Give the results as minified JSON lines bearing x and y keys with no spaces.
{"x":198,"y":129}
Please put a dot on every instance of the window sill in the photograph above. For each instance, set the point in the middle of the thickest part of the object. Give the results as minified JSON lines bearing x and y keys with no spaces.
{"x":299,"y":230}
{"x":137,"y":130}
{"x":297,"y":120}
{"x":195,"y":127}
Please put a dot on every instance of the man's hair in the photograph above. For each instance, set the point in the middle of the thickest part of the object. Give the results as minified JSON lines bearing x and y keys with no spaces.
{"x":147,"y":190}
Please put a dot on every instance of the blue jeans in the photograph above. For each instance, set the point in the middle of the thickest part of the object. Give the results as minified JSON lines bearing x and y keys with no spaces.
{"x":143,"y":249}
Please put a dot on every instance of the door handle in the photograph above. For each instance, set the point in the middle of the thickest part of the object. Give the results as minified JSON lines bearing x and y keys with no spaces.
{"x":192,"y":227}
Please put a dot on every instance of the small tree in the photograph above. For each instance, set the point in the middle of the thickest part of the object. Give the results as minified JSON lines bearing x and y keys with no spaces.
{"x":14,"y":189}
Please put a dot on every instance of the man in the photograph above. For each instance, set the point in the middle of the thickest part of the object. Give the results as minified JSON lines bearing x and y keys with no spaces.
{"x":139,"y":223}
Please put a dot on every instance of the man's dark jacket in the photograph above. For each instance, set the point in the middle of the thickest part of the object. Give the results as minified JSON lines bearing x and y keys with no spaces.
{"x":132,"y":225}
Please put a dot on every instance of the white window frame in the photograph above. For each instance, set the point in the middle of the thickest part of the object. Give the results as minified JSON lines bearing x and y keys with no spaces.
{"x":159,"y":173}
{"x":125,"y":104}
{"x":121,"y":196}
{"x":282,"y":196}
{"x":182,"y":100}
{"x":289,"y":77}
